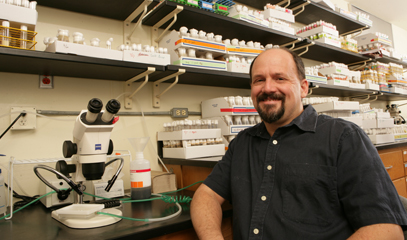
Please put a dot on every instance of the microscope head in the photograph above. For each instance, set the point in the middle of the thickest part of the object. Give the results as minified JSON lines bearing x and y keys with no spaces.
{"x":91,"y":139}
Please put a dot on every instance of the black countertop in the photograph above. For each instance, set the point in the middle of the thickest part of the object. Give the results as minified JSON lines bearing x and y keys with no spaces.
{"x":35,"y":222}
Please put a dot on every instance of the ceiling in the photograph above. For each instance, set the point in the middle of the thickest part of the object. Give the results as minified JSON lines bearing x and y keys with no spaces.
{"x":392,"y":11}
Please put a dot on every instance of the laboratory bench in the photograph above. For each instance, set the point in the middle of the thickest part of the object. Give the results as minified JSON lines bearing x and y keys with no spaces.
{"x":393,"y":155}
{"x":35,"y":222}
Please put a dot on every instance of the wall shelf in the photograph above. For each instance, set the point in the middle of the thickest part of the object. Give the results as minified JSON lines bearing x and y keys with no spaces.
{"x":326,"y":53}
{"x":200,"y":19}
{"x":313,"y":12}
{"x":66,"y":65}
{"x":118,"y":9}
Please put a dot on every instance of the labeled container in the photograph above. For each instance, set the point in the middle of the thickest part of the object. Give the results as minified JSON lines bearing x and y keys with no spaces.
{"x":3,"y":202}
{"x":140,"y":171}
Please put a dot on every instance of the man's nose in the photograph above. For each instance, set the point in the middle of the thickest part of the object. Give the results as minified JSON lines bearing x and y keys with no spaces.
{"x":269,"y":86}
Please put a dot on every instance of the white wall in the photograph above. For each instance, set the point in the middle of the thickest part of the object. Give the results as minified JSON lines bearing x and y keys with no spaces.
{"x":73,"y":94}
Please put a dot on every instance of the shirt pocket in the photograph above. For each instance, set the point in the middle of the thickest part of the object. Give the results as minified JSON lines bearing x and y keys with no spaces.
{"x":309,"y":193}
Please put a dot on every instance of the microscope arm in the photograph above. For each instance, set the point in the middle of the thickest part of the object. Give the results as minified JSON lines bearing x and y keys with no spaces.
{"x":111,"y":181}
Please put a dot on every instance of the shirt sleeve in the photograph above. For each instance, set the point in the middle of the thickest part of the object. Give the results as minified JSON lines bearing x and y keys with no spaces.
{"x":365,"y":189}
{"x":219,"y":179}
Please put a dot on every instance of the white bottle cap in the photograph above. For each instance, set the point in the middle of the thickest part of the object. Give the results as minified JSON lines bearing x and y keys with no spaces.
{"x":5,"y":24}
{"x":23,"y":27}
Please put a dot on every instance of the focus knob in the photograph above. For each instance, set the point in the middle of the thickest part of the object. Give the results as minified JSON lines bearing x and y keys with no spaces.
{"x":69,"y":148}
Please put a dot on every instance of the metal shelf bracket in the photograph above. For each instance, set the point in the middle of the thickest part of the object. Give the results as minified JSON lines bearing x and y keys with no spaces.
{"x":292,"y":43}
{"x":366,"y":97}
{"x":361,"y":66}
{"x":356,"y":30}
{"x":132,"y":16}
{"x":302,"y":6}
{"x":154,"y":30}
{"x":306,"y":48}
{"x":128,"y":103}
{"x":156,"y":88}
{"x":310,"y":89}
{"x":285,"y":1}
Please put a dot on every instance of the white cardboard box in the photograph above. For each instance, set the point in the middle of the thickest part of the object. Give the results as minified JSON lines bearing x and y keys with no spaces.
{"x":273,"y":13}
{"x":320,"y":29}
{"x":217,"y":107}
{"x":334,"y":70}
{"x":356,"y":120}
{"x":195,"y":152}
{"x":188,"y":134}
{"x":84,"y":50}
{"x":243,"y":51}
{"x":364,"y":20}
{"x":400,"y":136}
{"x":325,"y":3}
{"x":146,"y":57}
{"x":337,"y":82}
{"x":19,"y":15}
{"x":337,"y":106}
{"x":201,"y":63}
{"x":238,"y":67}
{"x":329,"y":41}
{"x":347,"y":13}
{"x":282,"y":28}
{"x":372,"y":86}
{"x":382,"y":138}
{"x":369,"y":38}
{"x":357,"y":85}
{"x":316,"y":79}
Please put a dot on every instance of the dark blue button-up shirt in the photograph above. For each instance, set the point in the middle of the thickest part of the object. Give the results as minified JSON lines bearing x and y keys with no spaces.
{"x":315,"y":178}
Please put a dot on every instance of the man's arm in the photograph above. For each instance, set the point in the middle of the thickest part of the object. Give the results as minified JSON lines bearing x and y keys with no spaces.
{"x":206,"y":213}
{"x":379,"y":231}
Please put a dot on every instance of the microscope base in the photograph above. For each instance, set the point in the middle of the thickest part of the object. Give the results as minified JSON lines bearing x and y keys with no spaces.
{"x":93,"y":222}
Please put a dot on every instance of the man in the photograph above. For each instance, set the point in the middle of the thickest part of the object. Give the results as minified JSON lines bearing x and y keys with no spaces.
{"x":297,"y":175}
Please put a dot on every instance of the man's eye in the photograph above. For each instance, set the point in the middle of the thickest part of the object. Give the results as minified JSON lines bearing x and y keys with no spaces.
{"x":258,"y":80}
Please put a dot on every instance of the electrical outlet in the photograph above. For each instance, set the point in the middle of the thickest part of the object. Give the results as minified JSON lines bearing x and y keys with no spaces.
{"x":179,"y":112}
{"x":46,"y":81}
{"x":29,"y":121}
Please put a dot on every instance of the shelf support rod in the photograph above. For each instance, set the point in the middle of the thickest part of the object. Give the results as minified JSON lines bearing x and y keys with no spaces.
{"x":154,"y":29}
{"x":156,"y":88}
{"x":292,"y":43}
{"x":306,"y":48}
{"x":285,"y":1}
{"x":356,"y":30}
{"x":310,"y":89}
{"x":128,"y":103}
{"x":302,"y":6}
{"x":134,"y":14}
{"x":359,"y":67}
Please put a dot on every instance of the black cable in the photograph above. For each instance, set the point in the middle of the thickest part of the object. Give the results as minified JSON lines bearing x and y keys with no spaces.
{"x":24,"y":199}
{"x":21,"y":114}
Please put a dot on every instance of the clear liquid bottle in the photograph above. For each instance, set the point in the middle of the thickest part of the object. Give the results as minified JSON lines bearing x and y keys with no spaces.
{"x":3,"y":202}
{"x":140,"y":171}
{"x":140,"y":177}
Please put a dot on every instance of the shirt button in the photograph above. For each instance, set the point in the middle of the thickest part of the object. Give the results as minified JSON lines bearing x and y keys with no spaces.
{"x":256,"y":231}
{"x":263,"y":198}
{"x":269,"y":167}
{"x":275,"y":142}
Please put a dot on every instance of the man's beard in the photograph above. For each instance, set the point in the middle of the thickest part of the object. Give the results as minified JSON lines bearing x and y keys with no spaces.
{"x":268,"y":115}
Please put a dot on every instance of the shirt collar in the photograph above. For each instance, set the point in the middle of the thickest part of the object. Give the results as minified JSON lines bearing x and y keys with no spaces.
{"x":306,"y":121}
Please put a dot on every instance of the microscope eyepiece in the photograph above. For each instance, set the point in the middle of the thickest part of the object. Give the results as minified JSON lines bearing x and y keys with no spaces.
{"x":95,"y":105}
{"x":112,"y":107}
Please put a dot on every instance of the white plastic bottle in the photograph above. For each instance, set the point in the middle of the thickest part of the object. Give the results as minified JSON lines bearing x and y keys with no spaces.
{"x":3,"y":202}
{"x":140,"y":177}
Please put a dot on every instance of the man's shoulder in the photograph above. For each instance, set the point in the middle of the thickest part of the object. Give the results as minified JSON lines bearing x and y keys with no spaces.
{"x":340,"y":124}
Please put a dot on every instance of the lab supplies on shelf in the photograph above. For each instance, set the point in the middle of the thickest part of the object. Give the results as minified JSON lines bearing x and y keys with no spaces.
{"x":20,"y":37}
{"x":370,"y":43}
{"x":275,"y":11}
{"x":183,"y":144}
{"x":316,"y":28}
{"x":194,"y":49}
{"x":25,"y":14}
{"x":243,"y":13}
